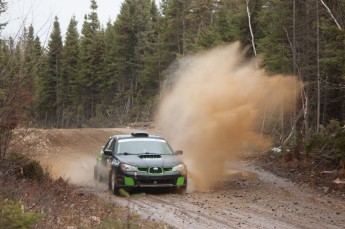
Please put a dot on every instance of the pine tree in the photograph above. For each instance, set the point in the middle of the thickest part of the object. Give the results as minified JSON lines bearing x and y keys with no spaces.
{"x":69,"y":76}
{"x":147,"y":58}
{"x":3,"y":8}
{"x":203,"y":33}
{"x":32,"y":64}
{"x":176,"y":27}
{"x":332,"y":63}
{"x":137,"y":56}
{"x":91,"y":51}
{"x":108,"y":82}
{"x":49,"y":101}
{"x":125,"y":39}
{"x":276,"y":34}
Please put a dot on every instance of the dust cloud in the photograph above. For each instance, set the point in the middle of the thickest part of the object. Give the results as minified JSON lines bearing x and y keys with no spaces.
{"x":78,"y":171}
{"x":72,"y":153}
{"x":212,"y":105}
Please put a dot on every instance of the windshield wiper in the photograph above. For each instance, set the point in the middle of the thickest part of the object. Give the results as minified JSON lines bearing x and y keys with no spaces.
{"x":126,"y":153}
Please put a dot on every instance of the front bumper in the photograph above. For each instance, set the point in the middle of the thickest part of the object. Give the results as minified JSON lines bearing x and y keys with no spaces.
{"x":145,"y":180}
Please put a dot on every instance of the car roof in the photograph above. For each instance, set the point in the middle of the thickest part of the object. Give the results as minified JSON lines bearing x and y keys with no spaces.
{"x":135,"y":135}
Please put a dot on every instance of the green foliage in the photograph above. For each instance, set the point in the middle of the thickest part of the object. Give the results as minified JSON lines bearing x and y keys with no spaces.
{"x":13,"y":215}
{"x":275,"y":26}
{"x":329,"y":143}
{"x":232,"y":22}
{"x":70,"y":89}
{"x":3,"y":8}
{"x":116,"y":71}
{"x":90,"y":60}
{"x":49,"y":91}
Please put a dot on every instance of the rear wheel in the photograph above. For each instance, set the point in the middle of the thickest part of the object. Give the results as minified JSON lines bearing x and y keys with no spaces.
{"x":95,"y":172}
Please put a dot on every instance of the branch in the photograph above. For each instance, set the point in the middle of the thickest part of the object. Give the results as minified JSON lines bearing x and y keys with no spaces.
{"x":300,"y":114}
{"x":330,"y":12}
{"x":250,"y":27}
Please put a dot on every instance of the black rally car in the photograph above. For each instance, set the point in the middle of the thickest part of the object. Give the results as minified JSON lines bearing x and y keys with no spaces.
{"x":140,"y":160}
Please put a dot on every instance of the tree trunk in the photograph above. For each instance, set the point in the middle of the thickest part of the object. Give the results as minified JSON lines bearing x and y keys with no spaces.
{"x":318,"y":68}
{"x":250,"y":27}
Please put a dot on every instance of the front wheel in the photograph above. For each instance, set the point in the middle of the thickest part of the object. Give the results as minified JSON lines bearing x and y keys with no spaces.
{"x":180,"y":190}
{"x":113,"y":182}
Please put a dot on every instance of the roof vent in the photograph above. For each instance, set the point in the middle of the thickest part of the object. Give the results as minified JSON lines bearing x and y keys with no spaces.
{"x":139,"y":134}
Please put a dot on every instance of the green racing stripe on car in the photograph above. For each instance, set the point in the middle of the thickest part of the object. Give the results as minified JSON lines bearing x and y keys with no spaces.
{"x":180,"y":181}
{"x":129,"y":181}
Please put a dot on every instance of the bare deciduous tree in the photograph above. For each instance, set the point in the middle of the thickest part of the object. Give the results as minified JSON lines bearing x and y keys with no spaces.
{"x":250,"y":27}
{"x":330,"y":13}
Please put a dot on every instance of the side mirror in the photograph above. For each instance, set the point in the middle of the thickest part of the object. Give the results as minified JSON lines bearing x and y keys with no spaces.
{"x":178,"y":152}
{"x":108,"y":153}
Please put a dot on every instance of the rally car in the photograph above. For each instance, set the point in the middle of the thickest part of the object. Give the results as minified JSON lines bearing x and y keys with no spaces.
{"x":140,"y":160}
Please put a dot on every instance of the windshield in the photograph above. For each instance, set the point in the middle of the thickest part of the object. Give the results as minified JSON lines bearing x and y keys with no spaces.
{"x":143,"y":146}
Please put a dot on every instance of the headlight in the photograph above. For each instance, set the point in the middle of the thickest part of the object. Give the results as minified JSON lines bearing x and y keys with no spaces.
{"x":180,"y":168}
{"x":115,"y":162}
{"x":128,"y":168}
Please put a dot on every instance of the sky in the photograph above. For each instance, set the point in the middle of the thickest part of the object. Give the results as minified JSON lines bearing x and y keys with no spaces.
{"x":41,"y":13}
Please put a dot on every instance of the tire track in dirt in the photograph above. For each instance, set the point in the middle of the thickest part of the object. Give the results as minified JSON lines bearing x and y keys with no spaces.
{"x":248,"y":198}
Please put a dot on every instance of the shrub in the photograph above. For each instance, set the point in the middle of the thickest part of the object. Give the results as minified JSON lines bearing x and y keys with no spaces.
{"x":33,"y":170}
{"x":12,"y":215}
{"x":26,"y":167}
{"x":329,"y":143}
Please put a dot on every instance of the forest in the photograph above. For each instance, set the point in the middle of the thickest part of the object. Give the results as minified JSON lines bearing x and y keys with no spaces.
{"x":107,"y":75}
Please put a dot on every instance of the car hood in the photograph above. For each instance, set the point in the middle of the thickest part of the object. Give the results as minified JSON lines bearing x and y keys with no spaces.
{"x":150,"y":160}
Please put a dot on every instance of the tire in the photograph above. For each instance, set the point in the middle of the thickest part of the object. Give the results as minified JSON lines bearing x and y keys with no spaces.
{"x":180,"y":190}
{"x":100,"y":178}
{"x":113,"y":182}
{"x":95,"y":173}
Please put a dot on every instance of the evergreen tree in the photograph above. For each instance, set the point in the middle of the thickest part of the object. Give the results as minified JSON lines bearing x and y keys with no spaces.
{"x":32,"y":63}
{"x":70,"y":70}
{"x":137,"y":56}
{"x":176,"y":25}
{"x":276,"y":34}
{"x":149,"y":74}
{"x":108,"y":82}
{"x":125,"y":39}
{"x":332,"y":63}
{"x":49,"y":99}
{"x":91,"y":51}
{"x":147,"y":58}
{"x":232,"y":20}
{"x":3,"y":8}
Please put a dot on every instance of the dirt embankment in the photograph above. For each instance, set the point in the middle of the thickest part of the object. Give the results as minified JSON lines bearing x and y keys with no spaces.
{"x":72,"y":152}
{"x":248,"y":197}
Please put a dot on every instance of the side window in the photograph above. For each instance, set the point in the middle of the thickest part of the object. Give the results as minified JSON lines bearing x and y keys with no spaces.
{"x":112,"y":145}
{"x":107,"y":146}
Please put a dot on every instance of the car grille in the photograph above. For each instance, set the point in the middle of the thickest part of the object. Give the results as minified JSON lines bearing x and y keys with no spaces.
{"x":152,"y":170}
{"x":155,"y":170}
{"x":156,"y":181}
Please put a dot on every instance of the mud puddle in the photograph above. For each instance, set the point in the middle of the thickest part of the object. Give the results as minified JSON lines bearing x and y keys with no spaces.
{"x":248,"y":198}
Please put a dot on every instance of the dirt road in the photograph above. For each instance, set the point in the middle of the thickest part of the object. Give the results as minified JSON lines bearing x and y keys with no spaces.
{"x":249,"y":198}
